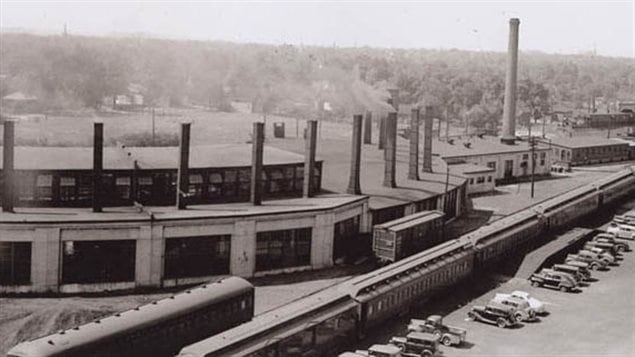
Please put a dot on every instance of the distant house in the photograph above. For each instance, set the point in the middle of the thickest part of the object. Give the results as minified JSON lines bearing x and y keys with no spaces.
{"x":20,"y":103}
{"x":132,"y":99}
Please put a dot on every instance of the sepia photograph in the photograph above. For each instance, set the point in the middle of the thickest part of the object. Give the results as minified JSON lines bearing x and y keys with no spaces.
{"x":317,"y":178}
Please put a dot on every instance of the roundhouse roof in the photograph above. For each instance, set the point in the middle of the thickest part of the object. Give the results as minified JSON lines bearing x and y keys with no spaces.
{"x":118,"y":158}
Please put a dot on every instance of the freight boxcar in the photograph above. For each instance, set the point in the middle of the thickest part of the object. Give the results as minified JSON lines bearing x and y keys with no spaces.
{"x":405,"y":236}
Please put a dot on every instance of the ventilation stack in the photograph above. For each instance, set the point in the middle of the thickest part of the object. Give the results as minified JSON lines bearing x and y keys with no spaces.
{"x":182,"y":183}
{"x":509,"y":110}
{"x":390,"y":154}
{"x":308,"y":186}
{"x":8,"y":170}
{"x":354,"y":187}
{"x":368,"y":127}
{"x":427,"y":139}
{"x":413,"y":162}
{"x":258,"y":139}
{"x":98,"y":165}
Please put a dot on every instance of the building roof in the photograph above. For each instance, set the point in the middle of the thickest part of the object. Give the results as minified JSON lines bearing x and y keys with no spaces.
{"x":470,"y":168}
{"x":585,"y":141}
{"x":475,"y":146}
{"x":117,"y":158}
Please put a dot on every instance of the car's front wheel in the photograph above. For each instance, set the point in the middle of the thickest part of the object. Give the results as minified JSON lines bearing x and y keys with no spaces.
{"x":501,"y":322}
{"x":471,"y":316}
{"x":446,"y":340}
{"x":519,"y":316}
{"x":426,"y":353}
{"x":535,"y":283}
{"x":564,"y":288}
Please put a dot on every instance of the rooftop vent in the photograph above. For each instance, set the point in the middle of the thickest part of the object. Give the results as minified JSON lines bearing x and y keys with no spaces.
{"x":467,"y":145}
{"x":451,"y":141}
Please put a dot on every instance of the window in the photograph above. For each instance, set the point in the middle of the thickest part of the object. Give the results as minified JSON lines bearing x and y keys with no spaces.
{"x":525,"y":156}
{"x":98,"y":261}
{"x":44,"y":187}
{"x":480,"y":179}
{"x":471,"y":181}
{"x":197,"y":256}
{"x":122,"y":186}
{"x":492,"y":164}
{"x":67,"y":188}
{"x":85,"y":187}
{"x":489,"y":178}
{"x":195,"y":185}
{"x":244,"y":182}
{"x":344,"y":236}
{"x":283,"y":249}
{"x":15,"y":263}
{"x":145,"y":188}
{"x":215,"y":187}
{"x":229,"y":183}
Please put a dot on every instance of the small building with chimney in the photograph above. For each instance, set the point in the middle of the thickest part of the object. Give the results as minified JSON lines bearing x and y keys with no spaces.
{"x":509,"y":162}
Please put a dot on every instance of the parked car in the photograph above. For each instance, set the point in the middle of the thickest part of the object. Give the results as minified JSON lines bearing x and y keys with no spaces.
{"x":498,"y":314}
{"x":608,"y":247}
{"x":448,"y":335}
{"x":524,"y":312}
{"x":376,"y":351}
{"x":602,"y":255}
{"x":417,"y":344}
{"x":573,"y":270}
{"x":535,"y":304}
{"x":584,"y":268}
{"x":609,"y":238}
{"x":591,"y":259}
{"x":623,"y":231}
{"x":556,"y":279}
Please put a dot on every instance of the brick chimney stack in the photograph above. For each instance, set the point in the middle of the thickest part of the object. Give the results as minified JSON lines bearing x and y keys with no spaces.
{"x":427,"y":139}
{"x":390,"y":154}
{"x":98,"y":165}
{"x":413,"y":162}
{"x":8,"y":170}
{"x":509,"y":110}
{"x":308,"y":186}
{"x":258,"y":139}
{"x":182,"y":183}
{"x":354,"y":187}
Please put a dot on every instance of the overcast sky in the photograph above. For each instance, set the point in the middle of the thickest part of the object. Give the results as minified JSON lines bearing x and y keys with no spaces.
{"x":607,"y":27}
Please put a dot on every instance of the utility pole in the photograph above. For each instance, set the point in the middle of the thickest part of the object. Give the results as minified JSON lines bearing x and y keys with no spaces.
{"x":153,"y":133}
{"x":447,"y":183}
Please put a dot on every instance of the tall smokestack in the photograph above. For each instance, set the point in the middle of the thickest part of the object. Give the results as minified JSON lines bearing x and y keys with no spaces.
{"x":354,"y":187}
{"x":308,"y":186}
{"x":381,"y":141}
{"x":413,"y":163}
{"x":390,"y":154}
{"x":509,"y":111}
{"x":8,"y":173}
{"x":98,"y":164}
{"x":182,"y":183}
{"x":394,"y":98}
{"x":427,"y":139}
{"x":368,"y":127}
{"x":258,"y":140}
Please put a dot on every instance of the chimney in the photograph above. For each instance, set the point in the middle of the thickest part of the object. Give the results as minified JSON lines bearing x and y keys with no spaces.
{"x":8,"y":173}
{"x":413,"y":163}
{"x":308,"y":186}
{"x":394,"y":98}
{"x":182,"y":183}
{"x":381,"y":144}
{"x":427,"y":139}
{"x":390,"y":154}
{"x":368,"y":127}
{"x":258,"y":139}
{"x":98,"y":164}
{"x":509,"y":111}
{"x":354,"y":187}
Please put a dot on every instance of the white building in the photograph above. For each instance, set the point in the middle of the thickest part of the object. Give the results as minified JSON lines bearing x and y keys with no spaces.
{"x":479,"y":178}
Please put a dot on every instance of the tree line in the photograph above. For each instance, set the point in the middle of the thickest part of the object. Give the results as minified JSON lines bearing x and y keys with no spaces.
{"x":78,"y":71}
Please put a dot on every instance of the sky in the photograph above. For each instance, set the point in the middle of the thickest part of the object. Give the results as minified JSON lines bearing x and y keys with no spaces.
{"x":571,"y":27}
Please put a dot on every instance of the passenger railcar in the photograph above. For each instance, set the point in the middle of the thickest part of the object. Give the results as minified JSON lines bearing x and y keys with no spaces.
{"x":408,"y":235}
{"x":374,"y":297}
{"x":161,"y":328}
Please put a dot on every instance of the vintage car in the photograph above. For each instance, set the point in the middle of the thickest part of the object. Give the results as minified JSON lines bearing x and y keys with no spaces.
{"x":623,"y":231}
{"x":607,"y":247}
{"x":627,"y":218}
{"x":448,"y":335}
{"x":493,"y":313}
{"x":376,"y":351}
{"x":573,"y":270}
{"x":555,"y":279}
{"x":417,"y":344}
{"x":602,"y":255}
{"x":592,"y":259}
{"x":524,"y":312}
{"x":535,"y":304}
{"x":584,"y":268}
{"x":609,"y":238}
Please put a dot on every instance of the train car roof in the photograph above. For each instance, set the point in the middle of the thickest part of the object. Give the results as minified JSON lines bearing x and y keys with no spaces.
{"x":142,"y":316}
{"x":411,"y":220}
{"x":265,"y":329}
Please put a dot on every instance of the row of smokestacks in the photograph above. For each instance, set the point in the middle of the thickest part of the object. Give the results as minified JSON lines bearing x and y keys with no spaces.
{"x":309,"y":190}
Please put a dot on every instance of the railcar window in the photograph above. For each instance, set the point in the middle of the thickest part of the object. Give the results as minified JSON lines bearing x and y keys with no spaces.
{"x":44,"y":187}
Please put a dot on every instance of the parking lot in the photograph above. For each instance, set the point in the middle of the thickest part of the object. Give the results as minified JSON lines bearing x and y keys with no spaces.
{"x":599,"y":320}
